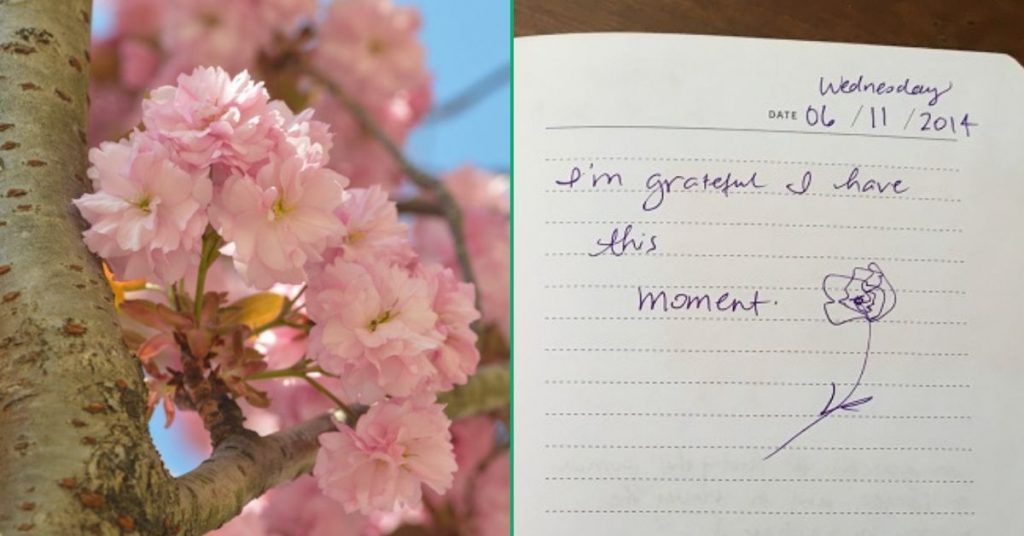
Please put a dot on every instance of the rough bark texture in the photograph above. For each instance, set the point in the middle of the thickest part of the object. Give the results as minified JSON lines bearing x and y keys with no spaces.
{"x":243,"y":467}
{"x":75,"y":453}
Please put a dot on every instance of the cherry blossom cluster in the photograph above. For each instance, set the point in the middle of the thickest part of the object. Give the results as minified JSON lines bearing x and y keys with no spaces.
{"x":479,"y":494}
{"x":215,"y":151}
{"x":484,"y":200}
{"x":394,"y":331}
{"x":223,"y":172}
{"x":368,"y":46}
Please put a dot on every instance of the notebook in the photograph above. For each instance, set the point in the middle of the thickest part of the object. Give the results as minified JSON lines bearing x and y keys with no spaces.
{"x":766,"y":287}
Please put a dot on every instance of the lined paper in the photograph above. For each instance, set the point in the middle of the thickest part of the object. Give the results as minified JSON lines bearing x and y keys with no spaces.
{"x":766,"y":287}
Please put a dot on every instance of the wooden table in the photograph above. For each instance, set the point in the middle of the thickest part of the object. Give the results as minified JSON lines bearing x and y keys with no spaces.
{"x":992,"y":25}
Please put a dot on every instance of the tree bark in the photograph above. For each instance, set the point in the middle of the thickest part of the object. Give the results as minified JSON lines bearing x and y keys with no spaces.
{"x":75,"y":453}
{"x":242,"y":468}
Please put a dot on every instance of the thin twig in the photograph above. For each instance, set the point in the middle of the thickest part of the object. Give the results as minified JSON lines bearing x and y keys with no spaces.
{"x":326,"y":392}
{"x":290,"y":302}
{"x":470,"y":96}
{"x":450,"y":209}
{"x":420,"y":206}
{"x":300,"y":371}
{"x":290,"y":372}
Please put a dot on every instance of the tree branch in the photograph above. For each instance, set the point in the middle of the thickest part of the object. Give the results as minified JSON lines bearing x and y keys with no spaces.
{"x":449,"y":208}
{"x":243,"y":467}
{"x":221,"y":415}
{"x":420,"y":206}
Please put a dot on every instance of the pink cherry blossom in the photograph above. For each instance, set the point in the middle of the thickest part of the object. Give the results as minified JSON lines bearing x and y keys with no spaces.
{"x":228,"y":33}
{"x":263,"y":421}
{"x":283,"y":347}
{"x":358,"y":155}
{"x":147,"y":214}
{"x":374,"y":327}
{"x":138,"y":63}
{"x":457,"y":357}
{"x":138,"y":18}
{"x":419,"y":101}
{"x":300,"y":135}
{"x":385,"y":523}
{"x":473,"y":441}
{"x":212,"y":118}
{"x":278,"y":220}
{"x":491,"y":500}
{"x":293,"y":401}
{"x":301,"y":509}
{"x":113,"y":112}
{"x":248,"y":523}
{"x":372,"y":47}
{"x":372,"y":229}
{"x":476,"y":491}
{"x":381,"y":463}
{"x":483,"y":199}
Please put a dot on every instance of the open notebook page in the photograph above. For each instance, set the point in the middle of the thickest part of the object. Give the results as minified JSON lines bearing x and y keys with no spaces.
{"x":767,"y":287}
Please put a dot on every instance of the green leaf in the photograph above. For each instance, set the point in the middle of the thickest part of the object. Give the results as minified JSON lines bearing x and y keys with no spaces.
{"x":486,"y":391}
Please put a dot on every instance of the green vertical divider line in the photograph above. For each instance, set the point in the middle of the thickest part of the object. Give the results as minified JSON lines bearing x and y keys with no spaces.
{"x":512,"y":264}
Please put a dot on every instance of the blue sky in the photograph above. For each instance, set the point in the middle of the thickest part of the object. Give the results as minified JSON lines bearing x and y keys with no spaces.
{"x":466,"y":41}
{"x":464,"y":45}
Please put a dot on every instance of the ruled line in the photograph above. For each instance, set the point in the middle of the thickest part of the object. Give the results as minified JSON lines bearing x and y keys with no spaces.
{"x":760,"y":256}
{"x":956,"y":292}
{"x":746,"y":351}
{"x":601,"y":446}
{"x":739,"y":319}
{"x":749,"y":130}
{"x":760,"y":383}
{"x":757,"y":480}
{"x":774,"y":513}
{"x":756,"y":192}
{"x":704,"y":223}
{"x":700,"y":415}
{"x":749,"y":161}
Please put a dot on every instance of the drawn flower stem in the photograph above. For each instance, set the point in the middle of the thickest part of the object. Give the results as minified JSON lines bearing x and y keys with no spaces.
{"x":845,"y":404}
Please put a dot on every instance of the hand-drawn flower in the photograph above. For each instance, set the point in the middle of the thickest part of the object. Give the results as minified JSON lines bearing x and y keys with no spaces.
{"x":864,"y":295}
